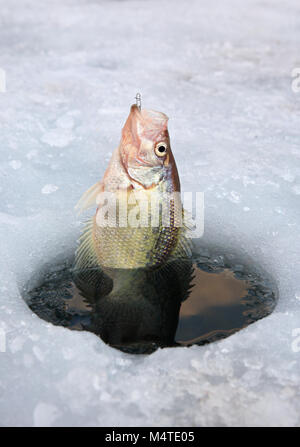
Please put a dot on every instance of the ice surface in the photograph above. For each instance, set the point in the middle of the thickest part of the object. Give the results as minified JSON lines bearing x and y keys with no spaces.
{"x":222,"y":73}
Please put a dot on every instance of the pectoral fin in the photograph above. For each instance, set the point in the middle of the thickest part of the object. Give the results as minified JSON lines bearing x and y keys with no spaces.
{"x":88,"y":199}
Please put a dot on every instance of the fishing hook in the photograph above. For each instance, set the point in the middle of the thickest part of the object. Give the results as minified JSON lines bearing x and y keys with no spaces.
{"x":138,"y":100}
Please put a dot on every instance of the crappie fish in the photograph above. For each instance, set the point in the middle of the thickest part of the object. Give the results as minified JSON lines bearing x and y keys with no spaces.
{"x":142,"y":166}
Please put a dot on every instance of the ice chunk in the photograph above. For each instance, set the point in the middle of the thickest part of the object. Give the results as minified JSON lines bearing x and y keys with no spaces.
{"x":48,"y":189}
{"x":15,"y":164}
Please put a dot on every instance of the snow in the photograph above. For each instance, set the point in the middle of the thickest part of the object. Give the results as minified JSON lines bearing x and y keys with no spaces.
{"x":48,"y":189}
{"x":222,"y":72}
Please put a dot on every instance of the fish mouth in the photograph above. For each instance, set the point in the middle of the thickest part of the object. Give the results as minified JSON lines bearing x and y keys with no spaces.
{"x":143,"y":162}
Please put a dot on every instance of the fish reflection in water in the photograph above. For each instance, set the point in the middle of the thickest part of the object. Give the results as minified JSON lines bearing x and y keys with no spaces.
{"x":136,"y":306}
{"x":183,"y":302}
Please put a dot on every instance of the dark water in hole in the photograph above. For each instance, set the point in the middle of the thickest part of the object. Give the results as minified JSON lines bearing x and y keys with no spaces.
{"x":183,"y":303}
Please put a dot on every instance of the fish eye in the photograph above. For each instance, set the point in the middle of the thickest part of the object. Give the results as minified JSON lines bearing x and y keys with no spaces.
{"x":161,"y":149}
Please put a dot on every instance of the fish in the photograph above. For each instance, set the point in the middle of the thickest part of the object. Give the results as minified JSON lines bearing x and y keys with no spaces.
{"x":140,"y":179}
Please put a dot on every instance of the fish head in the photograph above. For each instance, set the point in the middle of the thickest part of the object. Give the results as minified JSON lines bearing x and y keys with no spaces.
{"x":145,"y":149}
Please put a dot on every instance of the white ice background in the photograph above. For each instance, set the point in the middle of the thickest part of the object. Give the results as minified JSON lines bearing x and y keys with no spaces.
{"x":221,"y":70}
